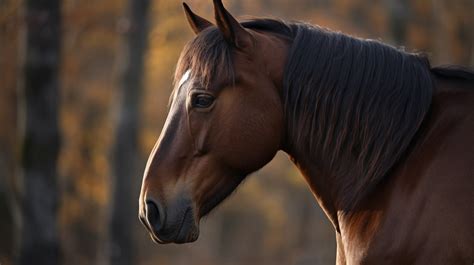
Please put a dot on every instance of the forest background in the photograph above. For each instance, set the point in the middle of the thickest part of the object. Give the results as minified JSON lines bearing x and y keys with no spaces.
{"x":84,"y":87}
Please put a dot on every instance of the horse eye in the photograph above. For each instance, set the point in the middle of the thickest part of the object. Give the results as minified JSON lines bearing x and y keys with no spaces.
{"x":202,"y":100}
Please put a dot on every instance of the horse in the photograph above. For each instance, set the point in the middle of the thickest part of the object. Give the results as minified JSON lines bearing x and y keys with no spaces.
{"x":383,"y":139}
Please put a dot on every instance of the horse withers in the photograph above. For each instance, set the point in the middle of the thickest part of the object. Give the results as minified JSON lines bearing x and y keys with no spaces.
{"x":384,"y":140}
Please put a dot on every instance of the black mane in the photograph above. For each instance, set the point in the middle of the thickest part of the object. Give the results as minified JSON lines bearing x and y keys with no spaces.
{"x":351,"y":105}
{"x":354,"y":105}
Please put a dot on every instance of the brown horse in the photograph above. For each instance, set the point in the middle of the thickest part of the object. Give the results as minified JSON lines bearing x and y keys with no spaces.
{"x":385,"y":141}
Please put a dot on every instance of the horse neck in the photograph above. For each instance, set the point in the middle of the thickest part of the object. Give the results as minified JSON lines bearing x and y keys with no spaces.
{"x":322,"y":185}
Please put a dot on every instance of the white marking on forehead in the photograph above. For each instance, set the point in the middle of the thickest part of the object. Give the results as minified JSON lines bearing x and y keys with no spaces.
{"x":184,"y":78}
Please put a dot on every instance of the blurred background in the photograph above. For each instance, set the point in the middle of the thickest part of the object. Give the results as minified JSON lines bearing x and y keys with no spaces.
{"x":84,"y":87}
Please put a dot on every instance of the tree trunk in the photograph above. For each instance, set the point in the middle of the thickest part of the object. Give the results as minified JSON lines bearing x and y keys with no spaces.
{"x":9,"y":208}
{"x":39,"y":203}
{"x":126,"y":155}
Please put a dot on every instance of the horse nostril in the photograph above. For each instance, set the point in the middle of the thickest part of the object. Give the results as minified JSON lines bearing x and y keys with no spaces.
{"x":153,"y":215}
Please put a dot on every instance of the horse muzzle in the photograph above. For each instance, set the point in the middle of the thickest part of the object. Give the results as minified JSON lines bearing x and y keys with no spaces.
{"x":175,"y":224}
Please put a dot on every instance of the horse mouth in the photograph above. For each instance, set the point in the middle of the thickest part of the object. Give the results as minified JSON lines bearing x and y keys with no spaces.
{"x":185,"y":232}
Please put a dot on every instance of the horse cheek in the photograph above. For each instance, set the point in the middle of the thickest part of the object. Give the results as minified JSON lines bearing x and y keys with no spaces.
{"x":259,"y":142}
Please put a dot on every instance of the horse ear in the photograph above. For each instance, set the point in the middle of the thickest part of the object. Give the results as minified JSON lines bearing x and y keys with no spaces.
{"x":196,"y":22}
{"x":233,"y":31}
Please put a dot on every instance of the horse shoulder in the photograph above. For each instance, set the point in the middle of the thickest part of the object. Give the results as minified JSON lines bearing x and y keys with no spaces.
{"x":423,"y":213}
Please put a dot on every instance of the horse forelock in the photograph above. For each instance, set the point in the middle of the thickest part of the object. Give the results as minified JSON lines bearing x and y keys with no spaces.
{"x":207,"y":56}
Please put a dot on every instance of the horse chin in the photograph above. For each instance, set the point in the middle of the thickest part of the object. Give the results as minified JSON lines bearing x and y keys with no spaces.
{"x":188,"y":232}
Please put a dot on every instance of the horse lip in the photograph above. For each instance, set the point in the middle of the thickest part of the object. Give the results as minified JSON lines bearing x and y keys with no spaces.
{"x":178,"y":238}
{"x":156,"y":239}
{"x":164,"y":239}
